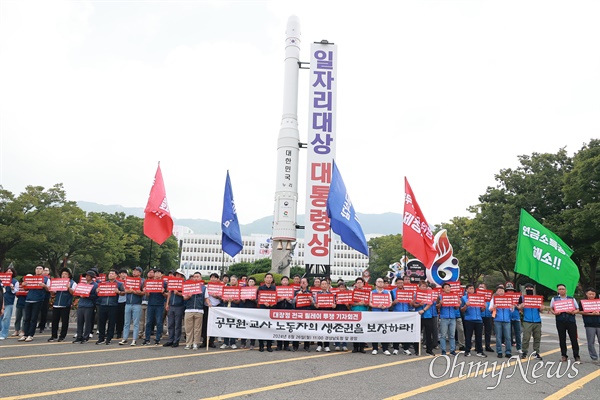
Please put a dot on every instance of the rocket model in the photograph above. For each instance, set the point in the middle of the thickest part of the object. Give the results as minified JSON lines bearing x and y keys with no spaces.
{"x":286,"y":189}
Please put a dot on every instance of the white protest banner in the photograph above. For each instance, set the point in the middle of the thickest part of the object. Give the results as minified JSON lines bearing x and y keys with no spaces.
{"x":314,"y":325}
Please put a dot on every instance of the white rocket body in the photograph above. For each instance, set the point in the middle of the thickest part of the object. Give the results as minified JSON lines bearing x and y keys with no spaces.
{"x":286,"y":189}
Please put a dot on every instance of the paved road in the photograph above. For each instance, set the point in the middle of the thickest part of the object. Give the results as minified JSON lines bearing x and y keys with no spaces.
{"x":71,"y":371}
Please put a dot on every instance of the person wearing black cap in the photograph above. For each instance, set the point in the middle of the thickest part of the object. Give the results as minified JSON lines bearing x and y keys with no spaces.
{"x":61,"y":309}
{"x":85,"y":310}
{"x":532,"y":325}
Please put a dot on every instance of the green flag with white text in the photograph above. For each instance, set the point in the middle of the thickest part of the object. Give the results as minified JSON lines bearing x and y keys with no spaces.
{"x":543,"y":256}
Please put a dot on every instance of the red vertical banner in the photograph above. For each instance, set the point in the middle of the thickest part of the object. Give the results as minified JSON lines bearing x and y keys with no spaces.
{"x":417,"y":237}
{"x":158,"y":224}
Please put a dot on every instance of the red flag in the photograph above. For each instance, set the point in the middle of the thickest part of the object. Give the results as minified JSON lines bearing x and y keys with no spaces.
{"x":416,"y":235}
{"x":158,"y":224}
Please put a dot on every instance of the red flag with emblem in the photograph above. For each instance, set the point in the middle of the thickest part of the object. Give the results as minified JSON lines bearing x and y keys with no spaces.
{"x":416,"y":234}
{"x":158,"y":224}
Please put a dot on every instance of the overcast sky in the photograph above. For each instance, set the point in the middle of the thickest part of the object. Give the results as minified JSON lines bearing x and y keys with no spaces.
{"x":447,"y":93}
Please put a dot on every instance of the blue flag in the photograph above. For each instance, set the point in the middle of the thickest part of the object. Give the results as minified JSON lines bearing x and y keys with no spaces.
{"x":342,"y":215}
{"x":231,"y":239}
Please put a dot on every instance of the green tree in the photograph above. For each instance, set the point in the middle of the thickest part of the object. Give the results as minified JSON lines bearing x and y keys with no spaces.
{"x":384,"y":250}
{"x":580,"y":222}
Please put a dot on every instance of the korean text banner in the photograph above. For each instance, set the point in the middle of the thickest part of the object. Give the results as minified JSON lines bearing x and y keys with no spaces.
{"x":320,"y":150}
{"x":314,"y":325}
{"x":543,"y":256}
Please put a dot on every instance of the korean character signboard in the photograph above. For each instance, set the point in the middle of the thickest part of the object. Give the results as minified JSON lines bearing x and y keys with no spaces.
{"x":320,"y":151}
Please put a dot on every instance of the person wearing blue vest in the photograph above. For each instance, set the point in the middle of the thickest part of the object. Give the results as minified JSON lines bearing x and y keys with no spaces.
{"x":515,"y":319}
{"x":473,"y":323}
{"x":379,"y":289}
{"x":532,"y":326}
{"x":502,"y":324}
{"x":85,"y":310}
{"x":488,"y":321}
{"x":400,"y":307}
{"x":591,"y":321}
{"x":427,"y":319}
{"x":33,"y":305}
{"x":107,"y":310}
{"x":566,"y":323}
{"x":447,"y":315}
{"x":133,"y":308}
{"x":61,"y":309}
{"x":9,"y":302}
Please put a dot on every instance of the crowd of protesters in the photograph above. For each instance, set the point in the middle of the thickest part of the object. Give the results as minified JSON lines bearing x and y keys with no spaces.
{"x":452,"y":324}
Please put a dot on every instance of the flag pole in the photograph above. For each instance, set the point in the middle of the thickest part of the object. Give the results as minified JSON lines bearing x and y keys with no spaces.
{"x":150,"y":255}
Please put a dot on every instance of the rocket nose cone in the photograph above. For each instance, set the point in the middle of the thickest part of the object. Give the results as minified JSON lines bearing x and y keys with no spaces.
{"x":293,"y":26}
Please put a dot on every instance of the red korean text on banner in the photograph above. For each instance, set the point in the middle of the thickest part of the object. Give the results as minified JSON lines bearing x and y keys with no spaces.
{"x":215,"y":289}
{"x":191,"y":288}
{"x":267,"y":297}
{"x":455,"y":287}
{"x":450,"y":300}
{"x":107,"y":289}
{"x":284,"y":292}
{"x":248,"y":293}
{"x":101,"y":278}
{"x":231,"y":293}
{"x":343,"y":297}
{"x":175,"y":283}
{"x":590,"y":305}
{"x":154,"y":286}
{"x":132,"y":283}
{"x":411,"y":286}
{"x":487,"y":293}
{"x":362,"y":296}
{"x":83,"y":290}
{"x":404,"y":296}
{"x":417,"y":237}
{"x":59,"y":284}
{"x":424,"y":296}
{"x":561,"y":306}
{"x":503,"y":302}
{"x":325,"y":300}
{"x":381,"y":300}
{"x":533,"y":301}
{"x":304,"y":300}
{"x":6,"y":278}
{"x":476,"y":300}
{"x":515,"y":296}
{"x":33,"y":282}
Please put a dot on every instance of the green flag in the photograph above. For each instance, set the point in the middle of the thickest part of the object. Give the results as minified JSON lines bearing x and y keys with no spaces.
{"x":544,"y":257}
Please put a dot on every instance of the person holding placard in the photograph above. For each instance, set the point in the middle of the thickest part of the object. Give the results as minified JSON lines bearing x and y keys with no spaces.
{"x":591,"y":321}
{"x":9,"y":295}
{"x":108,"y":293}
{"x":156,"y":290}
{"x":305,"y":294}
{"x":215,"y":301}
{"x":501,"y":307}
{"x":134,"y":295}
{"x":232,"y":282}
{"x":61,"y":309}
{"x":359,"y":283}
{"x":121,"y":303}
{"x":473,"y":305}
{"x":33,"y":302}
{"x":425,"y":309}
{"x":341,"y":287}
{"x":248,"y":303}
{"x":486,"y":317}
{"x":175,"y":308}
{"x":285,"y":303}
{"x":380,"y":307}
{"x":515,"y":316}
{"x":401,"y":304}
{"x":85,"y":308}
{"x":447,"y":313}
{"x":194,"y":310}
{"x":565,"y":308}
{"x":325,"y":290}
{"x":266,"y":286}
{"x":532,"y":325}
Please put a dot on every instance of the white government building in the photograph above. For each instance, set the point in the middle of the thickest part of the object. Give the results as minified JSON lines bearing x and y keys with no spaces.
{"x":202,"y":252}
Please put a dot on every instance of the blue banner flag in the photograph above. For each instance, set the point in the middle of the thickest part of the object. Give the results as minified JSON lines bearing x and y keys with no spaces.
{"x":343,"y":218}
{"x":231,"y":239}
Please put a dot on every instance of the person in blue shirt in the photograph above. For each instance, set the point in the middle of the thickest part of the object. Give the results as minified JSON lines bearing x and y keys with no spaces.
{"x":61,"y":309}
{"x":447,"y":315}
{"x":85,"y":310}
{"x":515,"y":320}
{"x":502,"y":324}
{"x":9,"y":302}
{"x":488,"y":321}
{"x":473,"y":323}
{"x":401,"y":307}
{"x":427,"y":320}
{"x":379,"y":289}
{"x":33,"y":305}
{"x":107,"y":311}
